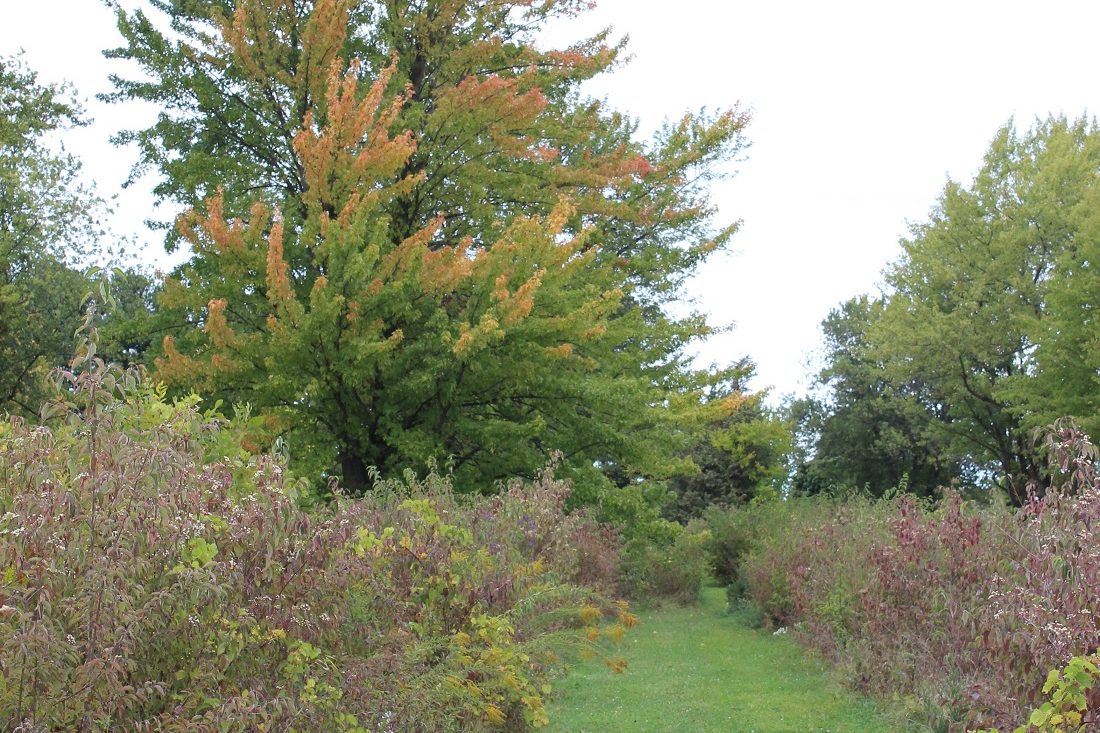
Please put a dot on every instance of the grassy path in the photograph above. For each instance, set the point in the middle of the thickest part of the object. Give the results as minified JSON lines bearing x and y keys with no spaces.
{"x":699,"y":670}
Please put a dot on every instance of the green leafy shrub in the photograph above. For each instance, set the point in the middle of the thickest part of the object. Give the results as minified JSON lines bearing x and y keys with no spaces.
{"x":673,"y":569}
{"x":1071,"y":699}
{"x":729,"y":542}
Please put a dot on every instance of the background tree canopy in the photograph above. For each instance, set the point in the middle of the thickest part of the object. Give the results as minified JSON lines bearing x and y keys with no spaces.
{"x":48,"y":224}
{"x":869,"y":432}
{"x":988,"y":331}
{"x":414,"y":239}
{"x":741,"y":456}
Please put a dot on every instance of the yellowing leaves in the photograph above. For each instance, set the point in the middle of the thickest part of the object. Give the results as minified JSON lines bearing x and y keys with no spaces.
{"x":517,"y":306}
{"x":212,"y":227}
{"x":401,"y":258}
{"x":217,"y":327}
{"x":322,"y":42}
{"x":354,"y":150}
{"x":278,"y":283}
{"x":560,"y":216}
{"x":616,"y":664}
{"x":590,"y":614}
{"x":476,"y":338}
{"x":626,"y":618}
{"x":499,"y":106}
{"x":174,"y":367}
{"x":494,"y":714}
{"x":384,"y":332}
{"x":595,"y":332}
{"x":444,"y":269}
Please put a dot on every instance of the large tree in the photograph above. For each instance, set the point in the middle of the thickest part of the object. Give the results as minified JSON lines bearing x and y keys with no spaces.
{"x":48,"y":223}
{"x":414,"y":239}
{"x":990,"y":312}
{"x":1064,"y":369}
{"x":866,"y":431}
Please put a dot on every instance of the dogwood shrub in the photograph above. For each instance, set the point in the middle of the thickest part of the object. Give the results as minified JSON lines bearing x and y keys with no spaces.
{"x":156,"y":576}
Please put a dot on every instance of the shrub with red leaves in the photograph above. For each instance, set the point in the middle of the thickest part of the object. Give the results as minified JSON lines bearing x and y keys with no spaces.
{"x":153,"y":576}
{"x":957,"y":610}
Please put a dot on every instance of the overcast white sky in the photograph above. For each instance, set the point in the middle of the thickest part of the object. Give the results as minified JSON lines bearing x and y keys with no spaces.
{"x":861,"y":111}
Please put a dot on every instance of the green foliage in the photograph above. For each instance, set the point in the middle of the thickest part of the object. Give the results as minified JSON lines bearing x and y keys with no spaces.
{"x":869,"y":432}
{"x":127,"y":333}
{"x":415,"y":240}
{"x":673,"y":568}
{"x":634,"y":507}
{"x":1065,"y":378}
{"x":986,"y":333}
{"x":730,"y":537}
{"x":1068,"y":692}
{"x":972,"y":308}
{"x":741,"y":456}
{"x":48,"y":225}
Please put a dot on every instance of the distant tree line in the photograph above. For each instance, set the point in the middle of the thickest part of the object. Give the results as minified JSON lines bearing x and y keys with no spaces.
{"x":412,"y":240}
{"x":988,"y":329}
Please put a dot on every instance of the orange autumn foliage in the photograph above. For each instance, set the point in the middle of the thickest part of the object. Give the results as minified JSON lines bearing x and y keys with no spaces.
{"x":415,"y":240}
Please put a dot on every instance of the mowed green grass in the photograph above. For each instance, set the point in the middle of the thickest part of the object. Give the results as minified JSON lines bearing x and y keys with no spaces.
{"x":697,"y":670}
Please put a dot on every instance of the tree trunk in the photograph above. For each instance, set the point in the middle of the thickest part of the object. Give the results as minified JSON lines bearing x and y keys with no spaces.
{"x":354,"y":470}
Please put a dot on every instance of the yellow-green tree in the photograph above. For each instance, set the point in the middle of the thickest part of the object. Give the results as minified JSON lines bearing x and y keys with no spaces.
{"x":413,"y":239}
{"x":990,"y":325}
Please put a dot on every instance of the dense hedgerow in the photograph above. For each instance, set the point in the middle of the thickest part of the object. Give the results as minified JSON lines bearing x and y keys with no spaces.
{"x":672,"y":566}
{"x":959,"y":611}
{"x":153,"y":576}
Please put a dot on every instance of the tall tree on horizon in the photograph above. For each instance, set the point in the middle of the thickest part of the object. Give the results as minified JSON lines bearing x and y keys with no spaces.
{"x":970,"y":292}
{"x":413,"y":239}
{"x":868,"y":431}
{"x":988,"y":333}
